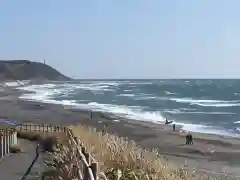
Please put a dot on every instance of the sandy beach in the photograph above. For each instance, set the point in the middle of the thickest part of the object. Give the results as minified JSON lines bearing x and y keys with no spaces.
{"x":210,"y":153}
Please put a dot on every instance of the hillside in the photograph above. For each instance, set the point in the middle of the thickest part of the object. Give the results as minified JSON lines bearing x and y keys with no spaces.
{"x":28,"y":70}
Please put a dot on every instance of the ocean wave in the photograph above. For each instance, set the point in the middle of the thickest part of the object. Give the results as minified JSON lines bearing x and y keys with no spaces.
{"x":206,"y":102}
{"x":126,"y":95}
{"x":140,"y":83}
{"x":93,"y":87}
{"x":178,"y":111}
{"x":169,"y":93}
{"x":127,"y":90}
{"x":40,"y":92}
{"x":15,"y":83}
{"x":144,"y":97}
{"x":130,"y":112}
{"x":45,"y":93}
{"x":208,"y":130}
{"x":218,"y":104}
{"x":190,"y":100}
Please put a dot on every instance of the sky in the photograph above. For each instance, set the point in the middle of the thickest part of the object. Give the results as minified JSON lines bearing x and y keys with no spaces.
{"x":125,"y":38}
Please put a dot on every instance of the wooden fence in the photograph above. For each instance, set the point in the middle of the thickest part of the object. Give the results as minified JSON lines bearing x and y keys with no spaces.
{"x":41,"y":128}
{"x":89,"y":165}
{"x":8,"y":137}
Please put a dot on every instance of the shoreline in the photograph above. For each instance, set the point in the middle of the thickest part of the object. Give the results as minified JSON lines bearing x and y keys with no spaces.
{"x":212,"y":152}
{"x":188,"y":127}
{"x":112,"y":116}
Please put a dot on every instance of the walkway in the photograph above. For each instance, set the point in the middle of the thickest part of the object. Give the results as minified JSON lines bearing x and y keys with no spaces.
{"x":13,"y":166}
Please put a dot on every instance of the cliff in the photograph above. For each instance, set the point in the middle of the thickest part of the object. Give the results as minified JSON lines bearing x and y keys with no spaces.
{"x":28,"y":70}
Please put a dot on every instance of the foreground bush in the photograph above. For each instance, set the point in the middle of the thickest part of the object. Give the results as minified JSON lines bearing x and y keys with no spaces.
{"x":31,"y":136}
{"x":15,"y":148}
{"x":119,"y":159}
{"x":48,"y":141}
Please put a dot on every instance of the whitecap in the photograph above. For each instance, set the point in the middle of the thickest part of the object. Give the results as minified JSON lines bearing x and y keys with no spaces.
{"x":207,"y":102}
{"x":218,"y":104}
{"x":127,"y":90}
{"x":15,"y":83}
{"x":178,"y":111}
{"x":126,"y":95}
{"x":169,"y":93}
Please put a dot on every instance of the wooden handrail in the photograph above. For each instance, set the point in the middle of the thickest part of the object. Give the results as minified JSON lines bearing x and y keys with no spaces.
{"x":82,"y":156}
{"x":30,"y":167}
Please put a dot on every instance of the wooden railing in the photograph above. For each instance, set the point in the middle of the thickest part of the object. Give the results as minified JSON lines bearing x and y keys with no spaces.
{"x":8,"y":137}
{"x":41,"y":128}
{"x":89,"y":165}
{"x":30,"y":167}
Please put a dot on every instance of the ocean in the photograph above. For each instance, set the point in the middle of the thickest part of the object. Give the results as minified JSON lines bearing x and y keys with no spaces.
{"x":207,"y":106}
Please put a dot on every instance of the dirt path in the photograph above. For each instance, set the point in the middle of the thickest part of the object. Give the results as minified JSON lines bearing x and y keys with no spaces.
{"x":13,"y":166}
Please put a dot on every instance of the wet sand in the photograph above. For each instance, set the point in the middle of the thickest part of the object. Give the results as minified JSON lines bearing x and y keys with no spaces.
{"x":210,"y":153}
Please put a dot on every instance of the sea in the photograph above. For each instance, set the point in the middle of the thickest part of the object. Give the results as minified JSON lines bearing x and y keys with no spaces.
{"x":201,"y":105}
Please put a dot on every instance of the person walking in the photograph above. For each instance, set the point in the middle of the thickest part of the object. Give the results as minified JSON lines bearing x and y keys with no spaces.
{"x":187,"y":139}
{"x":190,"y":139}
{"x":37,"y":150}
{"x":90,"y":115}
{"x":174,"y":127}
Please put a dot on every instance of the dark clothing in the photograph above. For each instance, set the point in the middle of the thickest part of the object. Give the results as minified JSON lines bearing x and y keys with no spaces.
{"x":187,"y":139}
{"x":190,"y":139}
{"x":174,"y":127}
{"x":37,"y":149}
{"x":90,"y":115}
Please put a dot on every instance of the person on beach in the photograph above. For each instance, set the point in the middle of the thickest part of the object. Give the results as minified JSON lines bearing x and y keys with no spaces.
{"x":190,"y":139}
{"x":166,"y":122}
{"x":90,"y":115}
{"x":187,"y":139}
{"x":37,"y":150}
{"x":174,"y":127}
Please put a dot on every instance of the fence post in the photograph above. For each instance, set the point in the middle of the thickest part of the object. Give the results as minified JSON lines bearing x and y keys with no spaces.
{"x":87,"y":155}
{"x":11,"y":137}
{"x":94,"y":167}
{"x":85,"y":169}
{"x":1,"y":145}
{"x":15,"y":140}
{"x":4,"y":143}
{"x":8,"y":141}
{"x":85,"y":174}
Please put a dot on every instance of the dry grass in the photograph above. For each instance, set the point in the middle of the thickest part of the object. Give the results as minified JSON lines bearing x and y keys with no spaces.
{"x":118,"y":159}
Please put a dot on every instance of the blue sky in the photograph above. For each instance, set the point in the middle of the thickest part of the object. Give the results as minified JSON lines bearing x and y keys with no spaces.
{"x":125,"y":38}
